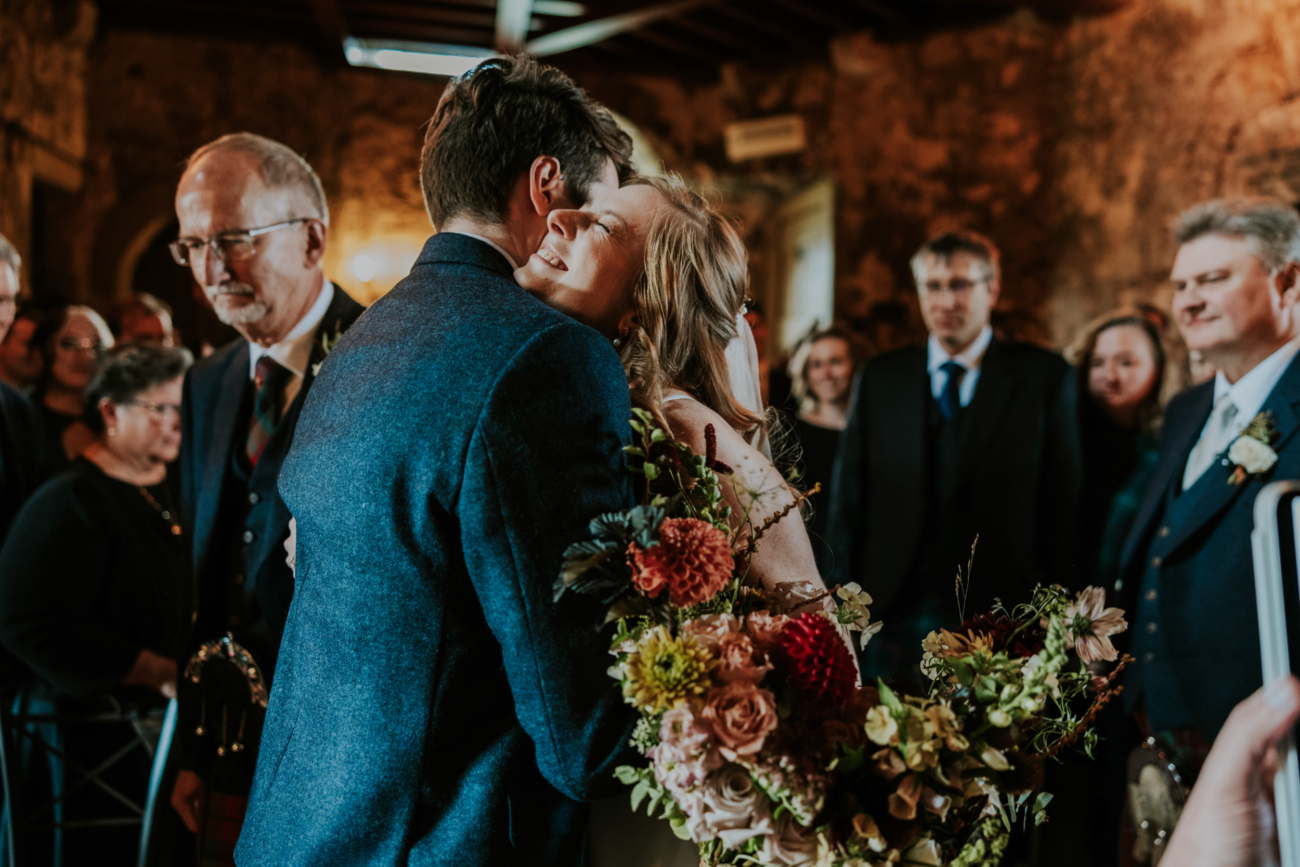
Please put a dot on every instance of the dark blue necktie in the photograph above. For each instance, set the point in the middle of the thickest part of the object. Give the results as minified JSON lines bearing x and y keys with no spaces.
{"x":950,"y":398}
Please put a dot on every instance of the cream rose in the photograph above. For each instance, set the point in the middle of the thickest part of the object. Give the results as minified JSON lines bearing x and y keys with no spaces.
{"x":741,"y":716}
{"x":734,"y":809}
{"x":789,"y":845}
{"x":1252,"y":455}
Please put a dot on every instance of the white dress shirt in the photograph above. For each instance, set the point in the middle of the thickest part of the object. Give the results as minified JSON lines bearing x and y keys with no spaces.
{"x":514,"y":266}
{"x":970,"y":358}
{"x":1248,"y":395}
{"x":294,"y":352}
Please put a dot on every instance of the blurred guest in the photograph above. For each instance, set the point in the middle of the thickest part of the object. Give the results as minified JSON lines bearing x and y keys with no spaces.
{"x":254,"y":224}
{"x":22,"y":461}
{"x":1120,"y":368}
{"x":70,"y":341}
{"x":145,"y":319}
{"x":822,"y":376}
{"x":965,"y":436}
{"x":95,"y":590}
{"x":1186,"y":570}
{"x":20,"y":357}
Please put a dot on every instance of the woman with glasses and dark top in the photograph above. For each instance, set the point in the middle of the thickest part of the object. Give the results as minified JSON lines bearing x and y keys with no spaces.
{"x":70,"y":341}
{"x":96,"y":596}
{"x":821,"y":373}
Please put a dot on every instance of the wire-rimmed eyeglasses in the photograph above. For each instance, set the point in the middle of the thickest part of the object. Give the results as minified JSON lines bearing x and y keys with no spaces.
{"x":227,"y":246}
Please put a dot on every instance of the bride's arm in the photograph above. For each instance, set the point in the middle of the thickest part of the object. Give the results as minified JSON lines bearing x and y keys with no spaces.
{"x":755,"y":492}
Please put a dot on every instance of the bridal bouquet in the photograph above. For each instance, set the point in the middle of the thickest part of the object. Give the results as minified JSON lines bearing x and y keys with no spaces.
{"x":762,"y":747}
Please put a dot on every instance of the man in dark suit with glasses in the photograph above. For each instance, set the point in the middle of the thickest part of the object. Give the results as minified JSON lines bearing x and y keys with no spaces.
{"x":253,"y":231}
{"x":966,"y":436}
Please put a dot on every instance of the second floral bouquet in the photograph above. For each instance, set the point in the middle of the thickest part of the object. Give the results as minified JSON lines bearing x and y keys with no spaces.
{"x":761,"y":745}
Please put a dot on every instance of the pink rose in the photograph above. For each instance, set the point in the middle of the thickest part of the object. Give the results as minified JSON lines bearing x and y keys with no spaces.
{"x":685,"y":753}
{"x":765,"y":630}
{"x":710,"y":629}
{"x":736,"y":660}
{"x":789,"y":845}
{"x":741,"y":716}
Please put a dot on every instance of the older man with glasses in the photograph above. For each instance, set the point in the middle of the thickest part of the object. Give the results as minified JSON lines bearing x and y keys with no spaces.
{"x":253,"y":230}
{"x":966,"y":436}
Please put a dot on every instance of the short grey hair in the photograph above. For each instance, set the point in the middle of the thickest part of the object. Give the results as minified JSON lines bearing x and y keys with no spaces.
{"x":943,"y":247}
{"x":280,"y":166}
{"x":9,"y":255}
{"x":1271,"y":225}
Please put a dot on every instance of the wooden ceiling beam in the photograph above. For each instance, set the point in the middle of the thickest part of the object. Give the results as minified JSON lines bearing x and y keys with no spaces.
{"x":425,"y":13}
{"x":332,"y":29}
{"x":730,"y":38}
{"x":591,"y":32}
{"x":385,"y":28}
{"x":785,"y":34}
{"x":677,"y":46}
{"x":812,"y":13}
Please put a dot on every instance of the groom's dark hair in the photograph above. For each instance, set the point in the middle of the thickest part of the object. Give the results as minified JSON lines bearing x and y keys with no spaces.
{"x":494,"y":121}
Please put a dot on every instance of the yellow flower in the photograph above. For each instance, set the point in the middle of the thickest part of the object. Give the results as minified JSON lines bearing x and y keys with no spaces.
{"x":881,"y":728}
{"x":662,"y":672}
{"x":946,"y":727}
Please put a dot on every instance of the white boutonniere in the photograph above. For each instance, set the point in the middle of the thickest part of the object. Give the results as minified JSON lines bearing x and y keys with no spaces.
{"x":325,"y":344}
{"x":1252,"y":451}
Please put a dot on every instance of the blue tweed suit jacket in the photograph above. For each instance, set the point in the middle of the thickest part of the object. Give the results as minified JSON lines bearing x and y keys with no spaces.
{"x":1206,"y":592}
{"x":433,"y":704}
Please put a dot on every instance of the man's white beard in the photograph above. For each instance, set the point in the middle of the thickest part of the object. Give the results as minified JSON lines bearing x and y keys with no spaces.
{"x":238,"y":313}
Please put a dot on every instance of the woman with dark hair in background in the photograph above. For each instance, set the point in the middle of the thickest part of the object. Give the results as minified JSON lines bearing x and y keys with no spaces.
{"x":70,"y":341}
{"x":95,"y":588}
{"x":822,"y":374}
{"x":1122,"y":369}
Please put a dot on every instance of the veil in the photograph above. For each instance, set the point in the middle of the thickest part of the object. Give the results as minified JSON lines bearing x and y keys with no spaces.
{"x":742,"y":372}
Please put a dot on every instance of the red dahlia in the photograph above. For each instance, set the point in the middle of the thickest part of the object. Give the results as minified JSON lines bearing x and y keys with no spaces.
{"x":693,"y":560}
{"x":821,"y":668}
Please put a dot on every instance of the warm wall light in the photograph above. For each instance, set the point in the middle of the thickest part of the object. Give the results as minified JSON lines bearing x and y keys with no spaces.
{"x":363,"y":267}
{"x":424,"y":57}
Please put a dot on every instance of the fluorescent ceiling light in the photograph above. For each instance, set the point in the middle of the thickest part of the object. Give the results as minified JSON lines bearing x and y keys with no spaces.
{"x":424,"y":57}
{"x":559,"y":8}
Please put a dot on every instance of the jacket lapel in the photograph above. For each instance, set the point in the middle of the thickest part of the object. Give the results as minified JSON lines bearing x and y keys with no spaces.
{"x":1217,"y":494}
{"x":1168,"y":472}
{"x":992,"y":396}
{"x":225,"y":415}
{"x":339,"y":316}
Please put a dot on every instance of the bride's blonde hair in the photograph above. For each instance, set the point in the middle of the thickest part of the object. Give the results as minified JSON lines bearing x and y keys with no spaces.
{"x":686,"y":302}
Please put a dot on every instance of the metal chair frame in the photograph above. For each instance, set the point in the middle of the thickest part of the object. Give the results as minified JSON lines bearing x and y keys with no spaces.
{"x":17,"y":727}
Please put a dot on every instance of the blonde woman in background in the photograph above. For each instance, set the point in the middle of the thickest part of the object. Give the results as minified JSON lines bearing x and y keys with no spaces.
{"x":822,"y":372}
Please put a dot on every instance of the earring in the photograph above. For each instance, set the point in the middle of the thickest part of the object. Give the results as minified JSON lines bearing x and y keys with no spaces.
{"x":622,"y":335}
{"x":112,"y":431}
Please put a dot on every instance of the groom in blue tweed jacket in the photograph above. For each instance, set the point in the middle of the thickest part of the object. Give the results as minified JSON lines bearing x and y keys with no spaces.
{"x":432,"y":704}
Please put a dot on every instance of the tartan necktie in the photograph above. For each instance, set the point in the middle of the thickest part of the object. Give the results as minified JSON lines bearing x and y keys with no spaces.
{"x":950,"y":397}
{"x":269,"y":380}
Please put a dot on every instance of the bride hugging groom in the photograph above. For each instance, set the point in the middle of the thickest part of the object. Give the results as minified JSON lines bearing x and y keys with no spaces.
{"x":432,"y":703}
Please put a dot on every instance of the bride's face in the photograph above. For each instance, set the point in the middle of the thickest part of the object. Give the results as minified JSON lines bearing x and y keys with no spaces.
{"x":590,"y":257}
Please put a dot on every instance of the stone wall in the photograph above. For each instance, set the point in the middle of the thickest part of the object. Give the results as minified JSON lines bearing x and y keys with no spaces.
{"x":1072,"y":145}
{"x":42,"y":105}
{"x":154,"y":99}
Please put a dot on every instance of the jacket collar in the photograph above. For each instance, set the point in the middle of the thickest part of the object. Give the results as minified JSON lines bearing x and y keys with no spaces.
{"x":454,"y":248}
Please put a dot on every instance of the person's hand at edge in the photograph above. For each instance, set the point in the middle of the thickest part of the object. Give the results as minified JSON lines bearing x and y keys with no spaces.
{"x":1226,"y":821}
{"x":187,"y":799}
{"x":154,"y":671}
